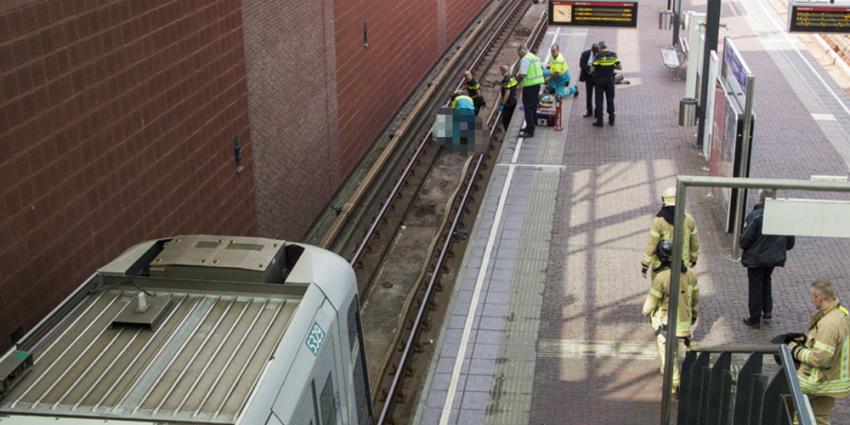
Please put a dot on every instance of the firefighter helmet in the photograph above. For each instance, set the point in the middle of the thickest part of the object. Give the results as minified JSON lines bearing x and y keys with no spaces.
{"x":668,"y":197}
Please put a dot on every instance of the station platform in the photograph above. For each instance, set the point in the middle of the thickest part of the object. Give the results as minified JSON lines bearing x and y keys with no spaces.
{"x":546,"y":324}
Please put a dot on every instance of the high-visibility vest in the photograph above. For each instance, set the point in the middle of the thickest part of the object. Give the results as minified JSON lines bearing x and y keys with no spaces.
{"x":558,"y":64}
{"x":534,"y":75}
{"x":463,"y":102}
{"x":509,"y":84}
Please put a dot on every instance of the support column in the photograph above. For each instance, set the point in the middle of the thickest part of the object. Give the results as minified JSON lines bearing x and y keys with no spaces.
{"x":712,"y":33}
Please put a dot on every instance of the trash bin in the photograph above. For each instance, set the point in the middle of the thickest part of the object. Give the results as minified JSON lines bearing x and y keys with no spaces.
{"x":687,"y":112}
{"x":665,"y":19}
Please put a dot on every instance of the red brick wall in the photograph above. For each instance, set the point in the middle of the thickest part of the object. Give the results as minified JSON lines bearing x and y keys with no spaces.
{"x":459,"y":13}
{"x":291,"y":82}
{"x":405,"y":41}
{"x":117,"y":121}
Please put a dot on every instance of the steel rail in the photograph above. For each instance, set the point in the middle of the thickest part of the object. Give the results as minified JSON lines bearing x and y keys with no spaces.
{"x":441,"y":258}
{"x":385,"y":206}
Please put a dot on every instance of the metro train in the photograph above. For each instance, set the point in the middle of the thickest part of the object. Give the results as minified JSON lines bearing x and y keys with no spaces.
{"x":198,"y":329}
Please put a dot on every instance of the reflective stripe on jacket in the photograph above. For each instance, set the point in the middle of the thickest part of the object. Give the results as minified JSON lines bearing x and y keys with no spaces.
{"x":558,"y":64}
{"x":534,"y":75}
{"x":660,"y":229}
{"x":658,"y":300}
{"x":825,"y":358}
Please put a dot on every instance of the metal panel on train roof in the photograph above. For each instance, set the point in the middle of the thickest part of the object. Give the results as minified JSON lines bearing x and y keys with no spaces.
{"x":242,"y":252}
{"x":86,"y":367}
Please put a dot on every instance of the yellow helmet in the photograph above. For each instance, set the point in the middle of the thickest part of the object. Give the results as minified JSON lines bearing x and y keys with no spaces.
{"x":668,"y":197}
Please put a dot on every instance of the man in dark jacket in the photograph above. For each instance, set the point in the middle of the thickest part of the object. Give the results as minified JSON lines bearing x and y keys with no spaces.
{"x":761,"y":254}
{"x":585,"y":63}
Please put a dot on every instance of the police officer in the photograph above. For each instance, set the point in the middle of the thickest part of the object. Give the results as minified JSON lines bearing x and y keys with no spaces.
{"x":662,"y":229}
{"x":657,"y":303}
{"x":473,"y":88}
{"x":604,"y":64}
{"x":507,"y":98}
{"x":530,"y":77}
{"x":825,"y":355}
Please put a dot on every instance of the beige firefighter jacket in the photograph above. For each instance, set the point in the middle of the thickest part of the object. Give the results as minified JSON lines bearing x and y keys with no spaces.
{"x":825,"y":358}
{"x":659,"y":230}
{"x":657,"y":300}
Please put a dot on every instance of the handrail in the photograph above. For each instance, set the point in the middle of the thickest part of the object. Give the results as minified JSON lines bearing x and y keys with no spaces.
{"x":806,"y":416}
{"x":720,"y":394}
{"x":738,"y":348}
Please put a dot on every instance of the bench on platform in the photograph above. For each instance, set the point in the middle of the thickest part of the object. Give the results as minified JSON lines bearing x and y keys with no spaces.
{"x":676,"y":57}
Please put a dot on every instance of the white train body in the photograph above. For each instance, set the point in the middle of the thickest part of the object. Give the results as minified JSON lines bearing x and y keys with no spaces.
{"x":198,"y":329}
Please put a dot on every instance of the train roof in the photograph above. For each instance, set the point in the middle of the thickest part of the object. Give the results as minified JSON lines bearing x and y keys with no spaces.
{"x":166,"y":343}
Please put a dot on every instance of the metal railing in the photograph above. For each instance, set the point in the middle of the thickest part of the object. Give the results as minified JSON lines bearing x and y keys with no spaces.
{"x":719,"y":394}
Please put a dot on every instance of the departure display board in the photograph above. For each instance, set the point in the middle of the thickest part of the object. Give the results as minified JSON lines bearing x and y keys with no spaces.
{"x":591,"y":13}
{"x":808,"y":17}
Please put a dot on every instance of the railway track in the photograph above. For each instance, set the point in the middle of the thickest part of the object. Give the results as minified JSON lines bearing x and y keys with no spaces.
{"x":397,"y":383}
{"x":418,"y":195}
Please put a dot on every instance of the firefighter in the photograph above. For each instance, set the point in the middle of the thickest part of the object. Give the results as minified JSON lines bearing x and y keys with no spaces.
{"x":824,"y":357}
{"x":662,"y":228}
{"x":473,"y":88}
{"x":658,"y":300}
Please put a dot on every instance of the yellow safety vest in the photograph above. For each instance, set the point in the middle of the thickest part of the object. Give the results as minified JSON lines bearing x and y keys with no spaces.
{"x":510,"y":83}
{"x":465,"y":102}
{"x":558,"y":64}
{"x":534,"y":75}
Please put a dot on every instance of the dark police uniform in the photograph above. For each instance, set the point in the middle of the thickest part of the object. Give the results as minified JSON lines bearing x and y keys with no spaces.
{"x":508,"y":86}
{"x":603,"y":78}
{"x":473,"y":87}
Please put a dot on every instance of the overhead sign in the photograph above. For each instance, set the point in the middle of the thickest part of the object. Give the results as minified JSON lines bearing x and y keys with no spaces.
{"x":806,"y":217}
{"x":818,"y":17}
{"x":591,"y":13}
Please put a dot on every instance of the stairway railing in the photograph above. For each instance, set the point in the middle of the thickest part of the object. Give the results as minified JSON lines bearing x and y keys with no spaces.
{"x":718,"y":394}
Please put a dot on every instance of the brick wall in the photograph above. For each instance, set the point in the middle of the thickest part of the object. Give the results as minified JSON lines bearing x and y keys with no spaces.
{"x":117,"y":121}
{"x":406,"y":38}
{"x":291,"y":80}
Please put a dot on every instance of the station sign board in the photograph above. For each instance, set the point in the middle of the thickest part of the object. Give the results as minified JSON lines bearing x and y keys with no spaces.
{"x":593,"y":13}
{"x":818,"y":17}
{"x":807,"y":217}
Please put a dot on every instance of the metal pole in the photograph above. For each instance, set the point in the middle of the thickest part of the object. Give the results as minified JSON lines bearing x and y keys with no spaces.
{"x":669,"y":4}
{"x":743,"y":168}
{"x":712,"y":33}
{"x":677,"y":12}
{"x":673,"y":300}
